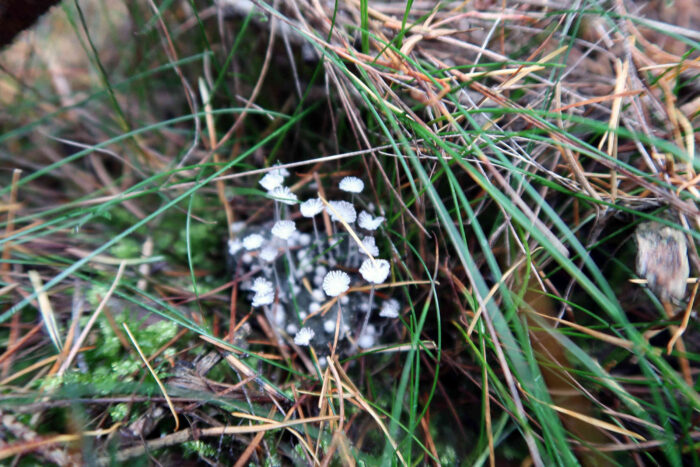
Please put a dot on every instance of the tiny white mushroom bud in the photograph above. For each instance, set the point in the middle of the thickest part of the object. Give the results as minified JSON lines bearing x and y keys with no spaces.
{"x":253,"y":241}
{"x":262,"y":285}
{"x":342,"y":210}
{"x":335,"y":283}
{"x":260,"y":299}
{"x":234,"y":246}
{"x":268,"y":253}
{"x":317,"y":295}
{"x":283,"y":229}
{"x":283,"y":195}
{"x":311,"y":207}
{"x":271,"y":180}
{"x":370,"y":245}
{"x":366,"y":221}
{"x":304,"y":336}
{"x":365,"y":341}
{"x":351,"y":185}
{"x":390,"y":309}
{"x":375,"y":271}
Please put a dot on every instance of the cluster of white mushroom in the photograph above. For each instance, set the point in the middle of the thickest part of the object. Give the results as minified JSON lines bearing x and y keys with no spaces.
{"x":290,"y":251}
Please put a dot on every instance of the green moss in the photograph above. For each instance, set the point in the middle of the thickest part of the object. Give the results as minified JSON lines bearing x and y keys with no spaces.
{"x":125,"y":249}
{"x":110,"y":365}
{"x":119,"y":411}
{"x":198,"y":448}
{"x":156,"y":335}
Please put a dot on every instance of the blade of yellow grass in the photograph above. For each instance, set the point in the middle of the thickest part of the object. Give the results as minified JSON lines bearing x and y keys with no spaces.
{"x":245,"y":370}
{"x":493,"y":291}
{"x":29,"y":369}
{"x":9,"y":207}
{"x":347,"y":227}
{"x":10,"y":350}
{"x":686,"y":317}
{"x":211,"y":129}
{"x":565,"y":150}
{"x":272,"y":421}
{"x":274,"y":425}
{"x":597,"y":99}
{"x":46,"y":310}
{"x":324,"y":406}
{"x":625,"y":344}
{"x":599,"y":423}
{"x":357,"y":396}
{"x":430,"y":345}
{"x":524,"y":71}
{"x":590,"y":420}
{"x":339,"y":385}
{"x":329,"y":304}
{"x":687,"y":127}
{"x":291,"y":430}
{"x":22,"y":447}
{"x":155,"y":376}
{"x":621,"y":71}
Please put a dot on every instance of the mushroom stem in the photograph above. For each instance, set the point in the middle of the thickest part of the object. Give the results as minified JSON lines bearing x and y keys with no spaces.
{"x":369,"y":313}
{"x":318,"y":239}
{"x":292,"y":269}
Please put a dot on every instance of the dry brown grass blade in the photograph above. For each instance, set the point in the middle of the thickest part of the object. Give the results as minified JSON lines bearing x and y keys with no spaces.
{"x":493,"y":291}
{"x":27,"y":446}
{"x":597,"y":99}
{"x":230,"y":430}
{"x":29,"y":369}
{"x":357,"y":397}
{"x":20,"y":342}
{"x":686,"y":318}
{"x":46,"y":309}
{"x":242,"y":367}
{"x":347,"y":226}
{"x":616,"y":341}
{"x":155,"y":376}
{"x":339,"y":387}
{"x":573,"y":160}
{"x":252,"y":446}
{"x":272,"y":422}
{"x":595,"y":422}
{"x":622,"y":71}
{"x":211,"y":131}
{"x":676,"y":331}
